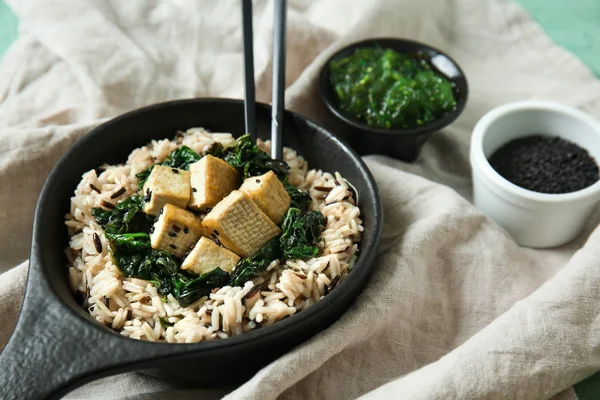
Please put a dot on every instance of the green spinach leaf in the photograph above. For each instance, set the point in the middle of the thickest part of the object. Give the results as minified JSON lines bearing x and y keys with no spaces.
{"x":128,"y":216}
{"x":251,"y":267}
{"x":136,"y":259}
{"x":247,"y":157}
{"x":300,"y":199}
{"x":130,"y":241}
{"x":301,"y":233}
{"x":187,"y":288}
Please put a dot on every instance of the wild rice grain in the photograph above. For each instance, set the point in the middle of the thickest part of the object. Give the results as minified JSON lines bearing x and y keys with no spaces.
{"x":252,"y":292}
{"x":118,"y":193}
{"x":94,"y":188}
{"x":97,"y":242}
{"x":333,"y":284}
{"x":108,"y":205}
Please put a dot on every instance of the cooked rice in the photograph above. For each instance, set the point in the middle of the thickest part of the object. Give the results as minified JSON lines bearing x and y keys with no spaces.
{"x":134,"y":308}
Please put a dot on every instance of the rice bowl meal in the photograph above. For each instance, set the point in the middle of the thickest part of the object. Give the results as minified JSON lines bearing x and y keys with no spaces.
{"x":205,"y":236}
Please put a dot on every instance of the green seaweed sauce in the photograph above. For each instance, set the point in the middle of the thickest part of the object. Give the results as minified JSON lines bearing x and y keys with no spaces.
{"x":387,"y":89}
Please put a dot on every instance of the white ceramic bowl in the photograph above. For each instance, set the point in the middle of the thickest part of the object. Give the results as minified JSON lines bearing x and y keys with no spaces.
{"x":533,"y":219}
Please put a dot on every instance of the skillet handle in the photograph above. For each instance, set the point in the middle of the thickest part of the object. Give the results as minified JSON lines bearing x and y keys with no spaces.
{"x":25,"y":374}
{"x":47,"y":357}
{"x":53,"y":349}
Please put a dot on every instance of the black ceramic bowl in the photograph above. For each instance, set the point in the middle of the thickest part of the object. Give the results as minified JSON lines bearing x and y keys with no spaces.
{"x":57,"y":346}
{"x":404,"y":144}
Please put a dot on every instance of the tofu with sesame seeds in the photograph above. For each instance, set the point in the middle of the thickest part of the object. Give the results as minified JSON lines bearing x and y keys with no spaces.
{"x":269,"y":194}
{"x":175,"y":231}
{"x":207,"y":256}
{"x":239,"y":224}
{"x":166,"y":185}
{"x":211,"y":180}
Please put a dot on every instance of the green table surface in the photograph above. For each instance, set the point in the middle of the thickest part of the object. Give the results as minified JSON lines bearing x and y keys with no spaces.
{"x":573,"y":25}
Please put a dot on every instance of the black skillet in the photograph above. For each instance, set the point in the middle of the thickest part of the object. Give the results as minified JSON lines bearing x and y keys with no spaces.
{"x":57,"y":346}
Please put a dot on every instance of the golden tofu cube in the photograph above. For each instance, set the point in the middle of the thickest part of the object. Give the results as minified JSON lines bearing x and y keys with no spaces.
{"x":175,"y":231}
{"x":239,"y":224}
{"x":211,"y":179}
{"x":207,"y":255}
{"x":269,"y":194}
{"x":166,"y":185}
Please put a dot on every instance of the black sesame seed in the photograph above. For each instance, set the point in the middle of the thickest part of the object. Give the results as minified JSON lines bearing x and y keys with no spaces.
{"x":148,"y":196}
{"x":97,"y":242}
{"x":161,"y":211}
{"x":172,"y":234}
{"x":218,"y":242}
{"x":176,"y":228}
{"x":175,"y":170}
{"x":118,"y":193}
{"x":94,"y":188}
{"x":216,"y":231}
{"x":173,"y":246}
{"x":186,"y":230}
{"x":108,"y":205}
{"x":152,"y":229}
{"x":194,"y":190}
{"x":258,"y":181}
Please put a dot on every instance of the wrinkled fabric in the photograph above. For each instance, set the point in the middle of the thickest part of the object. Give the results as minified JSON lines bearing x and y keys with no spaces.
{"x":454,"y":310}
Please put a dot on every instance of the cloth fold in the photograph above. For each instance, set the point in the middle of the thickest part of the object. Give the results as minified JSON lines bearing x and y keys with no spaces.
{"x":454,"y":310}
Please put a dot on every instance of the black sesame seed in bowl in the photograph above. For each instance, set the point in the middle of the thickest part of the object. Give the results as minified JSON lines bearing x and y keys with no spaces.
{"x":535,"y":170}
{"x":545,"y":164}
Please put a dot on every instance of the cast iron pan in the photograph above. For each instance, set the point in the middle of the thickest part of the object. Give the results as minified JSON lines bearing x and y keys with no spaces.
{"x":57,"y":346}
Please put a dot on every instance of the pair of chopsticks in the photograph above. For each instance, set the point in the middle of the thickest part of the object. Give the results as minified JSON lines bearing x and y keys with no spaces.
{"x":278,"y":75}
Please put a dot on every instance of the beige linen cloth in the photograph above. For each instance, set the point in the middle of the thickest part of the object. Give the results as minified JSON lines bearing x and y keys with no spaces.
{"x":454,"y":310}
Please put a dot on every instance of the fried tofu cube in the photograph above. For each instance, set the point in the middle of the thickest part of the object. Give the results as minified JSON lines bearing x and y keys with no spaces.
{"x":211,"y":179}
{"x":166,"y":185}
{"x":175,"y":231}
{"x":239,"y":224}
{"x":207,"y":255}
{"x":269,"y":194}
